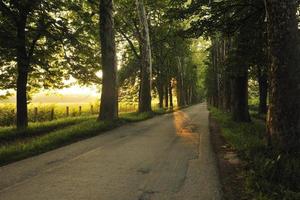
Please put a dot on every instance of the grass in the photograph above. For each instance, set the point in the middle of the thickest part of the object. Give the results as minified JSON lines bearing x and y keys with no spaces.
{"x":8,"y":111}
{"x":45,"y":136}
{"x":11,"y":134}
{"x":269,"y":174}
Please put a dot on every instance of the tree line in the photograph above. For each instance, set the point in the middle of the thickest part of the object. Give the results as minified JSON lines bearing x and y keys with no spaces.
{"x":44,"y":43}
{"x":258,"y":40}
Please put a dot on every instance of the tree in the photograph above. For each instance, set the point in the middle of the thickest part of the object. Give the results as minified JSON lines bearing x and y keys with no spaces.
{"x":284,"y":108}
{"x":109,"y":95}
{"x":19,"y":15}
{"x":146,"y":59}
{"x":40,"y":43}
{"x":232,"y":24}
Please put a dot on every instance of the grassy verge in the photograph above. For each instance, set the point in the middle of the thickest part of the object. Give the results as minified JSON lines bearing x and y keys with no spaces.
{"x":269,"y":174}
{"x":11,"y":134}
{"x":42,"y":137}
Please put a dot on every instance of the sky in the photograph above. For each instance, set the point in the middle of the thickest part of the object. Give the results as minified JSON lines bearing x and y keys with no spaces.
{"x":74,"y":94}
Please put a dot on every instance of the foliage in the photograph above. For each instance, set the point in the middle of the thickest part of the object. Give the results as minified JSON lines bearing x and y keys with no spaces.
{"x":61,"y":40}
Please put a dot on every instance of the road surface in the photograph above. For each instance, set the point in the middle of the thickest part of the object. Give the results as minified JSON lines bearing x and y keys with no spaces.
{"x":168,"y":157}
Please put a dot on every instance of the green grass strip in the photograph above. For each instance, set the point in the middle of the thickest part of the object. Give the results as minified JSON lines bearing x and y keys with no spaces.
{"x":59,"y":133}
{"x":10,"y":134}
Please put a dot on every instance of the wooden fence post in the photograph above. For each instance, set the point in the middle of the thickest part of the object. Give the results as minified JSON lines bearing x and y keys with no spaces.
{"x":92,"y":109}
{"x":67,"y":111}
{"x":35,"y":113}
{"x":79,"y":112}
{"x":52,"y":114}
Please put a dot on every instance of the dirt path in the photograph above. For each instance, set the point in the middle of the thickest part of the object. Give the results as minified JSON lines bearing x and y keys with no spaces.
{"x":167,"y":157}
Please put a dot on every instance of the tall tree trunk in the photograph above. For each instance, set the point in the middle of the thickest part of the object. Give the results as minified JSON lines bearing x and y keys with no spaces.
{"x":109,"y":94}
{"x":170,"y":94}
{"x":227,"y":82}
{"x":146,"y":63}
{"x":240,"y":111}
{"x":239,"y":75}
{"x":191,"y":95}
{"x":166,"y":95}
{"x":215,"y":97}
{"x":179,"y":84}
{"x":283,"y":123}
{"x":263,"y":90}
{"x":160,"y":89}
{"x":22,"y":67}
{"x":227,"y":94}
{"x":187,"y":95}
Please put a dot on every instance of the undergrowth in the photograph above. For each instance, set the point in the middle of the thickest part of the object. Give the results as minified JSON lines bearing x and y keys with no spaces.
{"x":269,"y":173}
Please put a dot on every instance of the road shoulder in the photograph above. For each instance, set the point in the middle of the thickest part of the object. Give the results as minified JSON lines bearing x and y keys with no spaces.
{"x":230,"y":167}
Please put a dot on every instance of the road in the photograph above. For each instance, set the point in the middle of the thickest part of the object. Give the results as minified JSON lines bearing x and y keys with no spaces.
{"x":168,"y":157}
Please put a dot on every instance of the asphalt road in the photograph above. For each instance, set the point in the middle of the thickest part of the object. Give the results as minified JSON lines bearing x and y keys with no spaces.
{"x":168,"y":157}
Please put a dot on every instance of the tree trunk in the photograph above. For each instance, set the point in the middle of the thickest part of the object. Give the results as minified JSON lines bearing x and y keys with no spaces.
{"x":227,"y":94}
{"x":215,"y":97}
{"x":146,"y":64}
{"x":283,"y":123}
{"x":22,"y":67}
{"x":179,"y":85}
{"x":160,"y":90}
{"x":171,"y":94}
{"x":240,"y":111}
{"x":166,"y":96}
{"x":187,"y":95}
{"x":191,"y":95}
{"x":109,"y":94}
{"x":263,"y":91}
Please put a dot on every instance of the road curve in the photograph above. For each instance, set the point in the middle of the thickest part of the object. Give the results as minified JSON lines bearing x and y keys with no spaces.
{"x":168,"y":157}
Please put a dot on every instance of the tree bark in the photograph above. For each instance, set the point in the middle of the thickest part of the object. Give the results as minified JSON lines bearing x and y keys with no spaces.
{"x":263,"y":91}
{"x":283,"y":122}
{"x":215,"y":97}
{"x":171,"y":94}
{"x":227,"y":94}
{"x":179,"y":84}
{"x":146,"y":63}
{"x":166,"y":95}
{"x":160,"y":90}
{"x":22,"y":78}
{"x":240,"y":110}
{"x":109,"y":94}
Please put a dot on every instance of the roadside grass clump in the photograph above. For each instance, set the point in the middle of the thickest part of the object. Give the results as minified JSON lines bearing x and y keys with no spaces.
{"x":269,"y":173}
{"x":135,"y":116}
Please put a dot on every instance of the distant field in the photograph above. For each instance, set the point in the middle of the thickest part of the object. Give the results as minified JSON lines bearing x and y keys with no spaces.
{"x":46,"y":112}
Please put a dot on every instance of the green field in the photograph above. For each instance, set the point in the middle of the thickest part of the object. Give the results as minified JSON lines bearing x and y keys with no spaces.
{"x":38,"y":112}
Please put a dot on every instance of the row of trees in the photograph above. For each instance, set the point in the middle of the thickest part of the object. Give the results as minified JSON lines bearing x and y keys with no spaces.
{"x":43,"y":43}
{"x":255,"y":40}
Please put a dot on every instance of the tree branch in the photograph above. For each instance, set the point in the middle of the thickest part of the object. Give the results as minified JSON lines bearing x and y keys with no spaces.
{"x":42,"y":27}
{"x":7,"y":12}
{"x":129,"y":42}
